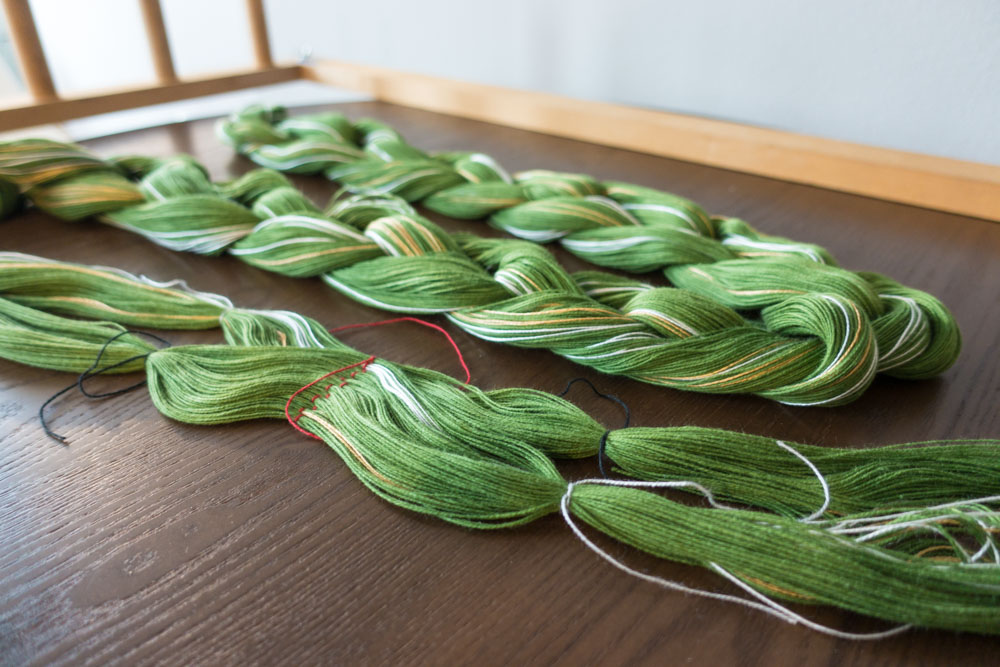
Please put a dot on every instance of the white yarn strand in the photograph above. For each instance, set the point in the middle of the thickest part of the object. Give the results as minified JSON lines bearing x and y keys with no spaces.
{"x":822,"y":481}
{"x":765,"y":605}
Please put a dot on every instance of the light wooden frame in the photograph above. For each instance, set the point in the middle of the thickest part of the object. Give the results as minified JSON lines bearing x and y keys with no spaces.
{"x":957,"y":186}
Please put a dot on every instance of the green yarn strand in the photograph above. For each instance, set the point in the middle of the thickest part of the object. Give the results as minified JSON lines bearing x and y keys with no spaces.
{"x":107,"y":294}
{"x":790,"y":560}
{"x":903,"y":533}
{"x":754,"y":470}
{"x":36,"y":338}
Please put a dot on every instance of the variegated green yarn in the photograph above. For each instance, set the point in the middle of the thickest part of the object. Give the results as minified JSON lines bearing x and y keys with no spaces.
{"x":819,"y":344}
{"x":36,"y":338}
{"x":612,"y":224}
{"x":915,"y":553}
{"x":618,"y":225}
{"x":36,"y":293}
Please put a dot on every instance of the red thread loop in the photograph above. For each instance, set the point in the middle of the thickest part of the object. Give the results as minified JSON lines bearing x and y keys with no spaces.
{"x":294,"y":421}
{"x":454,"y":345}
{"x":325,"y":391}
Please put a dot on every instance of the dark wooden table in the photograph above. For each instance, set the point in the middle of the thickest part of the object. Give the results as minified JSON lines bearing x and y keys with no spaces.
{"x":148,"y":541}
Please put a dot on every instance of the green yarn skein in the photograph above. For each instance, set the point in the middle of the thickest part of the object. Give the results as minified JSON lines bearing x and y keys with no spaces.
{"x":817,"y":346}
{"x":612,"y":224}
{"x":877,"y":545}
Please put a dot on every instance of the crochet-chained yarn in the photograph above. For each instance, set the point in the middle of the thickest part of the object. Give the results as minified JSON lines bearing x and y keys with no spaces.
{"x":903,"y":533}
{"x":820,"y":335}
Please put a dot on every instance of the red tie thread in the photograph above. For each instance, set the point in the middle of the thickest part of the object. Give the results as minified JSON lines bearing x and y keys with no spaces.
{"x":294,"y":421}
{"x":454,"y":345}
{"x":288,"y":405}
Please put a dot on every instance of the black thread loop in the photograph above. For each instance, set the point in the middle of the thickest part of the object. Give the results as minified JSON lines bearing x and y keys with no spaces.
{"x":91,"y":372}
{"x":604,"y":438}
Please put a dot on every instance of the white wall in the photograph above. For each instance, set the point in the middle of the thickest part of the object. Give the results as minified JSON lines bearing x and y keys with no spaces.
{"x":93,"y":44}
{"x":919,"y":75}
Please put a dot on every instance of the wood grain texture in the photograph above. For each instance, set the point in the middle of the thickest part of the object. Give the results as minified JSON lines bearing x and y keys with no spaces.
{"x":149,"y":541}
{"x":935,"y":182}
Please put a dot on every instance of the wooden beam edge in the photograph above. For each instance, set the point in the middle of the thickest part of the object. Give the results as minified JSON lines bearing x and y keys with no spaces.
{"x":30,"y":54}
{"x":29,"y":115}
{"x":956,"y":186}
{"x":158,"y":42}
{"x":258,"y":33}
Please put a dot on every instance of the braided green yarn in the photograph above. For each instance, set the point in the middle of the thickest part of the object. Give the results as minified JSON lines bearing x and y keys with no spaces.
{"x":619,"y":225}
{"x":909,"y":357}
{"x":612,"y":224}
{"x":800,"y":346}
{"x":37,"y":167}
{"x":368,"y":156}
{"x":477,"y":459}
{"x":429,"y":470}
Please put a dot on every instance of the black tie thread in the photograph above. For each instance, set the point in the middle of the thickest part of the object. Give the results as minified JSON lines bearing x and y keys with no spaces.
{"x":604,"y":438}
{"x":93,"y":371}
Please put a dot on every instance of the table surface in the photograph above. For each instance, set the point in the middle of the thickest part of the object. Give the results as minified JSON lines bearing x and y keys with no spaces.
{"x":148,"y":540}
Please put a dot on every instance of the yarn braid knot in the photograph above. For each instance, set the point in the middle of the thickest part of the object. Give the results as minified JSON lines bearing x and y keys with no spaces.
{"x":817,"y":343}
